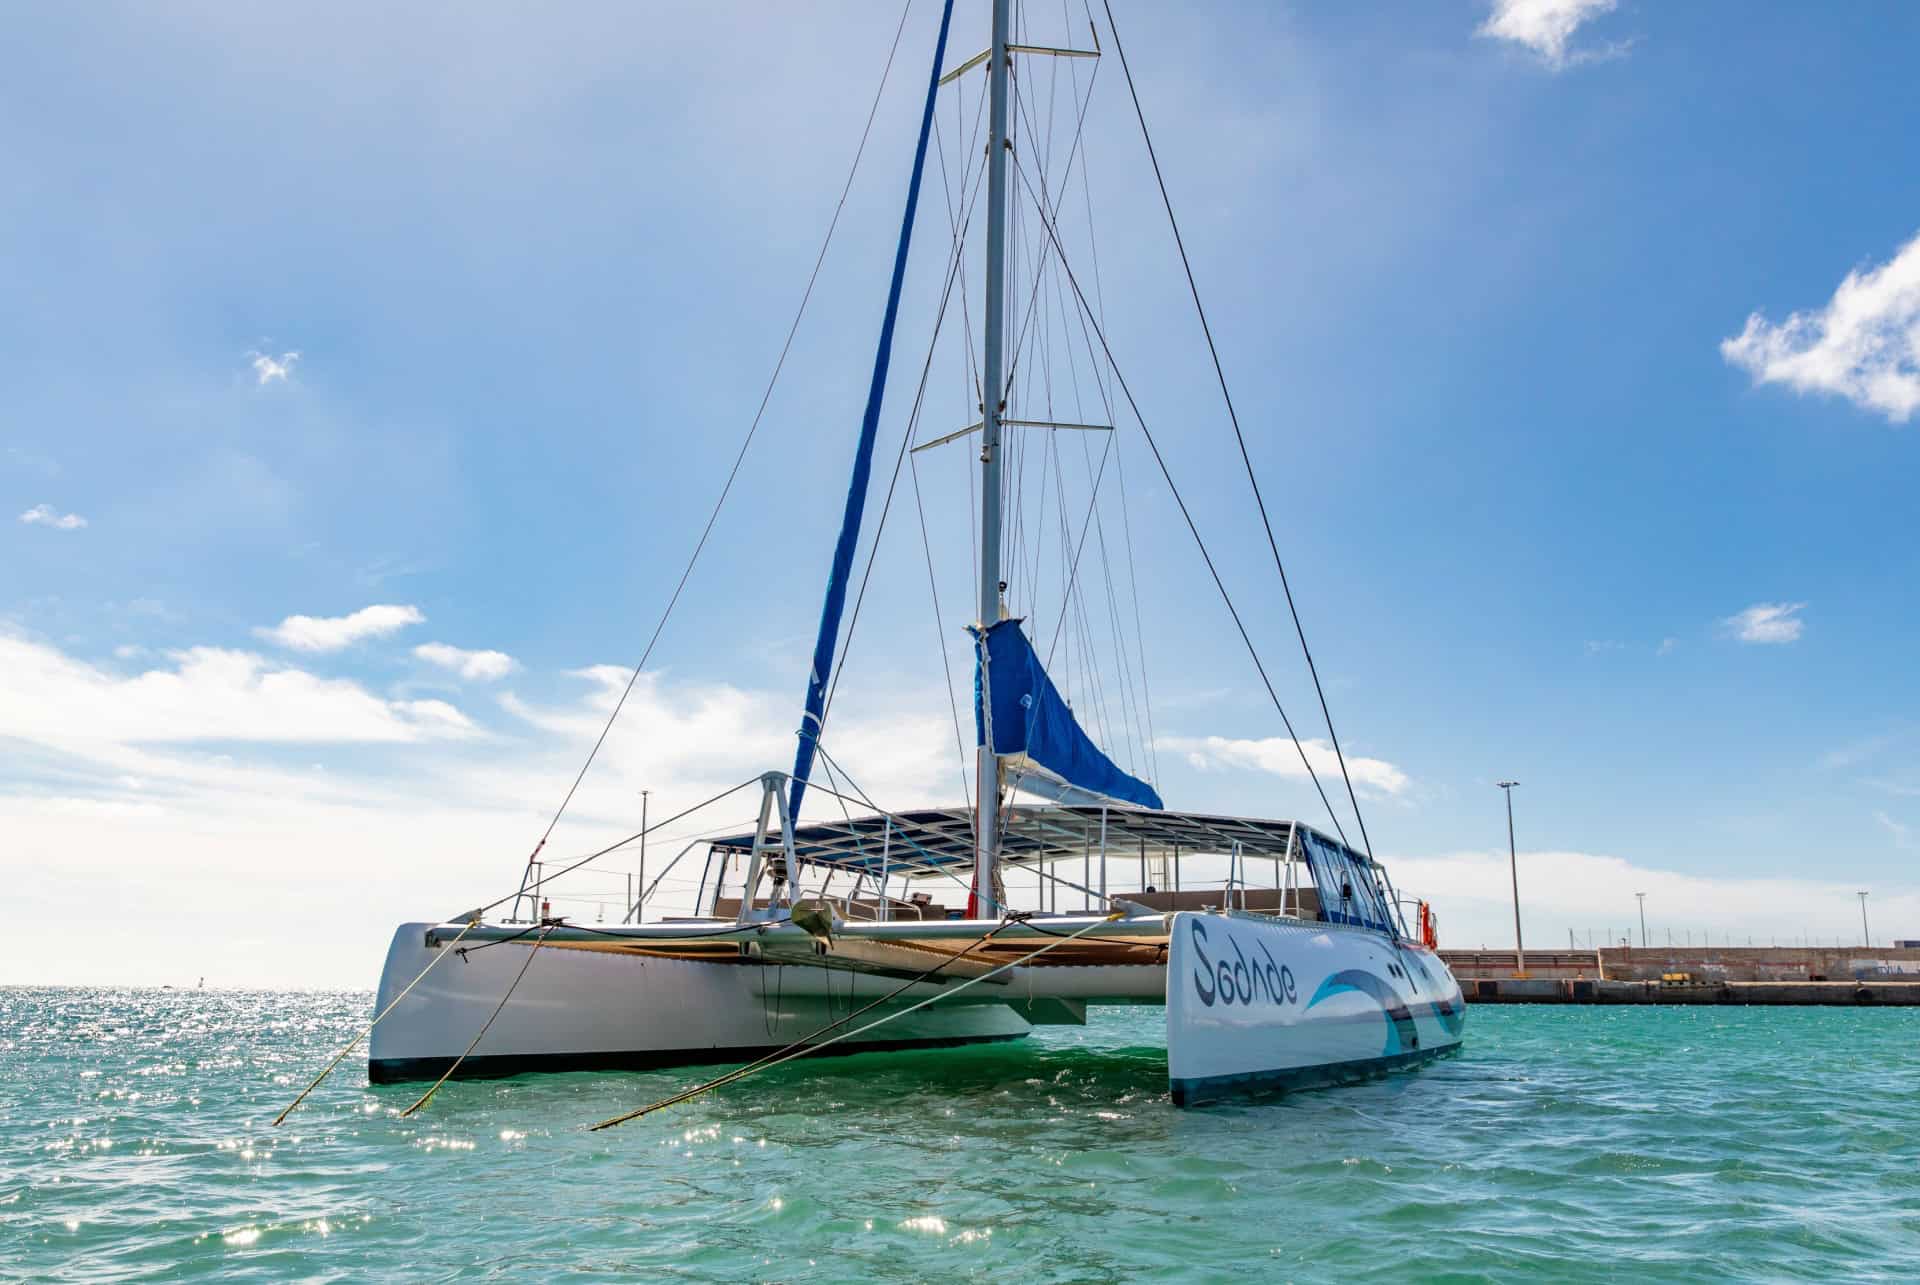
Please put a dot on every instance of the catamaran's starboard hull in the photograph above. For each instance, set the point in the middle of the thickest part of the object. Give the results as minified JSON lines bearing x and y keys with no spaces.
{"x":579,"y":1010}
{"x":1256,"y":1004}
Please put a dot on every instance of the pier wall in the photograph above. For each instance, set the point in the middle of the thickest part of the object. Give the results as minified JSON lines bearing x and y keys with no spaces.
{"x":1701,"y":963}
{"x":1849,"y":975}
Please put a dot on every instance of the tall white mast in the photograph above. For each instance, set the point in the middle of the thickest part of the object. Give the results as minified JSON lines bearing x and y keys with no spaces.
{"x":988,"y":794}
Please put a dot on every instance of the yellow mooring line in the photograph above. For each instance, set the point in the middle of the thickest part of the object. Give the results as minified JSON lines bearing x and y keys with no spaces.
{"x":740,"y":1073}
{"x":355,"y":1042}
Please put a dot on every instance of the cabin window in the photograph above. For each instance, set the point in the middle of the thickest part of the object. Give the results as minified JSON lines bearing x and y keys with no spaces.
{"x":1349,"y":893}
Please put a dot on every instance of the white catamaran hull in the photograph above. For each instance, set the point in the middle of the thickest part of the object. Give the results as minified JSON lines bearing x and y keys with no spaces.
{"x":1258,"y":1003}
{"x":579,"y":1009}
{"x":1252,"y":1003}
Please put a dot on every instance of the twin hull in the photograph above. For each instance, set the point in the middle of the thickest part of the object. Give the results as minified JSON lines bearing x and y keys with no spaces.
{"x":1251,"y":1003}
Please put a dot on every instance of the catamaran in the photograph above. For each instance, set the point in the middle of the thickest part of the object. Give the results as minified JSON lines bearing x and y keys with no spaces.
{"x":1280,"y":951}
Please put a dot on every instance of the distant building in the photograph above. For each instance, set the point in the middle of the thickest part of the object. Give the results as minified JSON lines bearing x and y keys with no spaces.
{"x":1906,"y":945}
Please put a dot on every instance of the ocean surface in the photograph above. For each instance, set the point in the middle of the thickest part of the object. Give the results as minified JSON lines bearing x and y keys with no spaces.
{"x":1563,"y":1144}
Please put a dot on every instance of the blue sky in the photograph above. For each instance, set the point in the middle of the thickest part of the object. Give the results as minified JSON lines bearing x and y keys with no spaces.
{"x":1482,"y":281}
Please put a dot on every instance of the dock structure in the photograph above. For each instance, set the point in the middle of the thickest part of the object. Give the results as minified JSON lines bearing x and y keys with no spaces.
{"x":1784,"y":975}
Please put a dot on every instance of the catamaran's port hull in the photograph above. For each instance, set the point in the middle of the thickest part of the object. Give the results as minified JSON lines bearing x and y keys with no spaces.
{"x":591,"y":1009}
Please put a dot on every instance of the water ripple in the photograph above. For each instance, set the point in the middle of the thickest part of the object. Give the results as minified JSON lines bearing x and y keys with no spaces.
{"x":1570,"y":1144}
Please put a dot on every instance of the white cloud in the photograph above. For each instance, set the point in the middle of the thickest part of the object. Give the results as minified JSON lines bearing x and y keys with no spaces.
{"x":1767,"y":622}
{"x":1276,"y":754}
{"x":1544,"y":26}
{"x":248,"y":787}
{"x":1666,"y":646}
{"x":44,"y":515}
{"x":1864,"y":345}
{"x":202,"y":694}
{"x":269,"y":368}
{"x":484,"y":666}
{"x":331,"y":633}
{"x":1593,"y":893}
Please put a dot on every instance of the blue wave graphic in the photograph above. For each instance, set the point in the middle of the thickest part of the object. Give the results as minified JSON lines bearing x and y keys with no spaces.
{"x":1402,"y":1035}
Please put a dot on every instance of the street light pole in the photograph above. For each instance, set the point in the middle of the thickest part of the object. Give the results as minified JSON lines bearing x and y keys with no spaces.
{"x":1513,"y":865}
{"x":1643,"y":919}
{"x":1865,"y":936}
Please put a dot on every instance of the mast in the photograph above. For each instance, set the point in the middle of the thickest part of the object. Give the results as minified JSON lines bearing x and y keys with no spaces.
{"x":987,"y":795}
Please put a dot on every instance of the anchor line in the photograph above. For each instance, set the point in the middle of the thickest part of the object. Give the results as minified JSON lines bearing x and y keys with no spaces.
{"x":531,"y":952}
{"x":355,"y":1042}
{"x":802,"y":1049}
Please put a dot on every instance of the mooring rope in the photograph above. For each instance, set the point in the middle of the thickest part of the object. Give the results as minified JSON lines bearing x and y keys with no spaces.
{"x":768,"y":1058}
{"x":355,"y":1042}
{"x":792,"y":1052}
{"x":531,"y":952}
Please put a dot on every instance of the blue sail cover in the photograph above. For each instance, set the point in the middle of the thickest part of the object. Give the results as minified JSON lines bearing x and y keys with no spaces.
{"x":1029,"y":717}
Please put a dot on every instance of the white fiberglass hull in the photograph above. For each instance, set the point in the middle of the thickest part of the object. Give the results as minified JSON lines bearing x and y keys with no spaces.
{"x":1256,"y":1003}
{"x":1253,"y":1003}
{"x":595,"y":1010}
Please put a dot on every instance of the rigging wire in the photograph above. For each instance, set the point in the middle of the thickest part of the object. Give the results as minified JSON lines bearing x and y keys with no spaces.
{"x":939,"y":631}
{"x":733,"y":474}
{"x":1185,"y":513}
{"x":879,"y":527}
{"x":1238,"y":436}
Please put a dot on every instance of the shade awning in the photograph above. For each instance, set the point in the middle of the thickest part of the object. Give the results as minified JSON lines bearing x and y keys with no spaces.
{"x":938,"y":839}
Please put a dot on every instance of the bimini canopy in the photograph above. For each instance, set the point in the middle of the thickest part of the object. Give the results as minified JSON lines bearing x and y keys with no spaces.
{"x":936,"y":840}
{"x":1017,"y":705}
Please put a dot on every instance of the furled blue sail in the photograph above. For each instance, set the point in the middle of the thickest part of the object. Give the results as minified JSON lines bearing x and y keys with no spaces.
{"x":1013,"y":695}
{"x":843,"y":549}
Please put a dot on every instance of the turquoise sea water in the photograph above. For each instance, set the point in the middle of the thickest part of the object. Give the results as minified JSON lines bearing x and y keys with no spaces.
{"x":1564,"y":1144}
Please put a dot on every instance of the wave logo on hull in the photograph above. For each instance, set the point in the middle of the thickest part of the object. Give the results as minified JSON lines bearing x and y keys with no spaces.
{"x":1402,"y":1035}
{"x":1240,"y":980}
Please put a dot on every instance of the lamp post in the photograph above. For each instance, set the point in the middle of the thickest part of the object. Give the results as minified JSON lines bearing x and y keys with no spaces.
{"x":1513,"y":864}
{"x":1643,"y":919}
{"x":1866,"y":937}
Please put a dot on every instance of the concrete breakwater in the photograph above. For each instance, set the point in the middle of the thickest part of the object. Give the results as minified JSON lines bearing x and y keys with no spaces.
{"x":1546,"y":990}
{"x":1856,"y":975}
